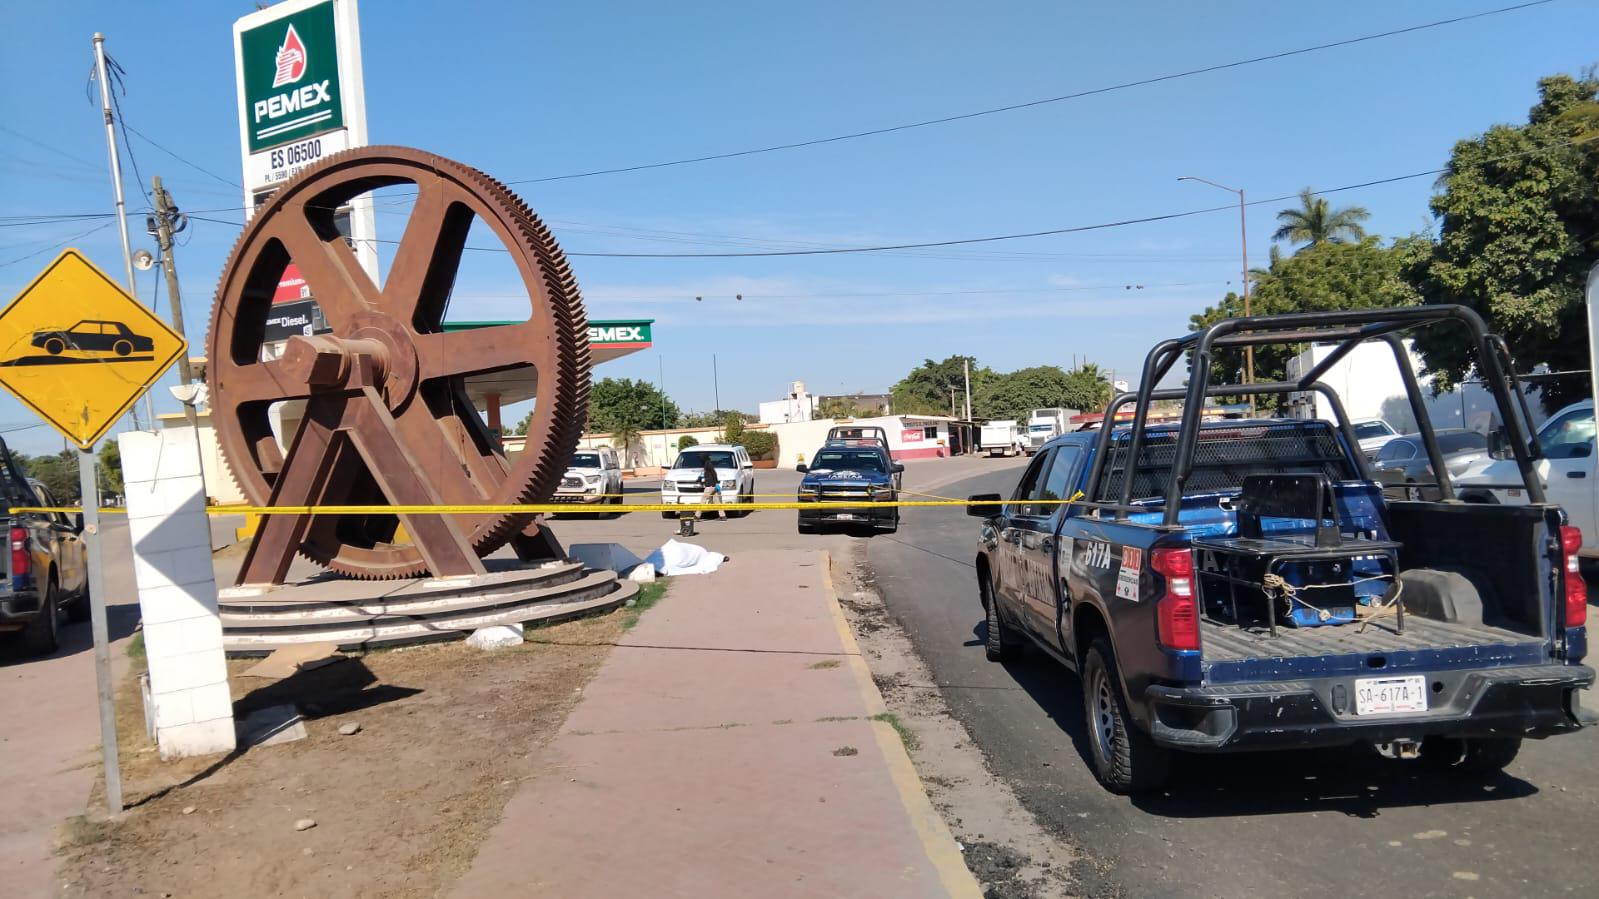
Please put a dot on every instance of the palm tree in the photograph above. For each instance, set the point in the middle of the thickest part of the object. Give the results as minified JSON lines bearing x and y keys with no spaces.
{"x":623,"y":436}
{"x":1316,"y":222}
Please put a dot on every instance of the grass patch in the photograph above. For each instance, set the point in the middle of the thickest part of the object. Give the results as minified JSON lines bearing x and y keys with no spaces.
{"x":136,"y":649}
{"x":648,"y":595}
{"x":79,"y":831}
{"x":822,"y":666}
{"x":906,"y":735}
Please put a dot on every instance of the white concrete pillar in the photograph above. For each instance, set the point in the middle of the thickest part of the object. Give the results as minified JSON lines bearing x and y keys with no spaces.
{"x":177,"y":592}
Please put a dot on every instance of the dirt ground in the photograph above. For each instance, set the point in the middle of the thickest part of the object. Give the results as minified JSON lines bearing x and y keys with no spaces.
{"x":446,"y":735}
{"x":1011,"y":855}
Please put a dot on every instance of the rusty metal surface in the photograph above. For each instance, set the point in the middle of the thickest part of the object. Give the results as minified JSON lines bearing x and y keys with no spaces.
{"x":387,"y":417}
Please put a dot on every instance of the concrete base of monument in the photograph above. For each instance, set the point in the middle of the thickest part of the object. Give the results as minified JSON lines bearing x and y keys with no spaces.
{"x":357,"y":614}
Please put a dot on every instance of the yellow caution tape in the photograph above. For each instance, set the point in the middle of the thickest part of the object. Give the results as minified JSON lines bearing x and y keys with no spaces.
{"x":559,"y":508}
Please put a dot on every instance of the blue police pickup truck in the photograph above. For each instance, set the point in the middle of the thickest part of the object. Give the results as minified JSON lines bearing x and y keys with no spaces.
{"x":846,"y":483}
{"x":1230,"y":585}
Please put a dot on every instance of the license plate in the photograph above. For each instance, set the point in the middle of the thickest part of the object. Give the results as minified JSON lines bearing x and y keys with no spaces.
{"x":845,"y":516}
{"x":1380,"y":695}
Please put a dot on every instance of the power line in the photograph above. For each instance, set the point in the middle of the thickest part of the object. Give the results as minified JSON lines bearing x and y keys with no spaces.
{"x":1077,"y":95}
{"x":193,"y":165}
{"x":100,"y":227}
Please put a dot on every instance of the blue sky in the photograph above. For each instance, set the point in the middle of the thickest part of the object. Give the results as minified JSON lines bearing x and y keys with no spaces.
{"x":531,"y":90}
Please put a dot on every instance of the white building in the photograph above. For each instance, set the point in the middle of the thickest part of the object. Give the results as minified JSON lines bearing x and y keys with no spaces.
{"x":797,"y":406}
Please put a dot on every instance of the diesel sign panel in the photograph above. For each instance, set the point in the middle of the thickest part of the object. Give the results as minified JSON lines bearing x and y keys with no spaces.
{"x":290,"y":73}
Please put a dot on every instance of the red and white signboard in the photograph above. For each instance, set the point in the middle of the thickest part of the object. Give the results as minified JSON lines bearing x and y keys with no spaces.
{"x":911,"y":435}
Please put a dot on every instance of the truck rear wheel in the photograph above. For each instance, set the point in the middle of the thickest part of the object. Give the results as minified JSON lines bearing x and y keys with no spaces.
{"x":43,"y":634}
{"x":1470,"y":755}
{"x":1125,"y":759}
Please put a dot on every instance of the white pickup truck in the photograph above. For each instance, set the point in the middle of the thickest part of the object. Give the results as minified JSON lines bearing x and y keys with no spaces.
{"x":1566,"y":466}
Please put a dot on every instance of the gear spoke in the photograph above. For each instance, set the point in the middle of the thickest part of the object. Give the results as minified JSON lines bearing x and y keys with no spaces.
{"x":475,"y":352}
{"x":328,"y":265}
{"x":425,"y":264}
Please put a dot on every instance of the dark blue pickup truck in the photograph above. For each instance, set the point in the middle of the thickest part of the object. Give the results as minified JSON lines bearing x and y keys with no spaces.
{"x":1244,"y":584}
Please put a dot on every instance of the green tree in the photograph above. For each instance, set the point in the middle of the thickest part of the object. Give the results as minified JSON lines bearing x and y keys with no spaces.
{"x":1518,"y":216}
{"x":1320,"y":278}
{"x":1016,"y":394}
{"x":712,"y":419}
{"x":623,"y":436}
{"x":838,"y":407}
{"x":760,"y":444}
{"x":732,"y":428}
{"x":686,"y":441}
{"x":1316,"y":222}
{"x":111,"y":466}
{"x":58,"y":472}
{"x":926,"y":390}
{"x":614,"y":402}
{"x":1087,"y":389}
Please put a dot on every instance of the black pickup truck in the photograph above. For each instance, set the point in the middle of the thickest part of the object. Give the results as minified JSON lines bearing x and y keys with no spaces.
{"x":46,"y":572}
{"x":1244,"y":584}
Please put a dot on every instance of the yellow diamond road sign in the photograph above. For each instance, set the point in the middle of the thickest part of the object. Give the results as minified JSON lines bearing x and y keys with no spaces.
{"x":79,"y":351}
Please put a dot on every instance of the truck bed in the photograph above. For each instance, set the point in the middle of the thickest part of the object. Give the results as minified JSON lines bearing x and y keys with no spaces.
{"x":1221,"y":642}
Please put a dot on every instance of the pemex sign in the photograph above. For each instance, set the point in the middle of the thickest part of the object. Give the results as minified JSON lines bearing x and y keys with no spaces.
{"x":290,"y":70}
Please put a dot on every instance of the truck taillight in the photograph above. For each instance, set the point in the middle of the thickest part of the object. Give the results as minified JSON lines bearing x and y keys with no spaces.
{"x":1576,"y":590}
{"x":20,"y":560}
{"x":1176,"y":612}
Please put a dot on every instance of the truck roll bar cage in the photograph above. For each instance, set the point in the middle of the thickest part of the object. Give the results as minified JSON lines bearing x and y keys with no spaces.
{"x":1351,"y":328}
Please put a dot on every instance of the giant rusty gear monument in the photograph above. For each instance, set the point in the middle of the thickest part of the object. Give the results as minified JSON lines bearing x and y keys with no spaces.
{"x":383,"y":415}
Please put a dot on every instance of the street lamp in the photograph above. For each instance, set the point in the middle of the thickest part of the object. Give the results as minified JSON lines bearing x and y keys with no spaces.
{"x":1243,"y":235}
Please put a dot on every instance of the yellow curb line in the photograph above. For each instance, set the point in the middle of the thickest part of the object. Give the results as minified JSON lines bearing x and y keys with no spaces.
{"x":937,"y":842}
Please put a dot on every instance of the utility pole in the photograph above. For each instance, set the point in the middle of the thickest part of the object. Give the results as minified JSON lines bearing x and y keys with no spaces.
{"x":966,"y":365}
{"x":1243,"y":234}
{"x":716,"y":383}
{"x":116,"y":185}
{"x":165,"y":215}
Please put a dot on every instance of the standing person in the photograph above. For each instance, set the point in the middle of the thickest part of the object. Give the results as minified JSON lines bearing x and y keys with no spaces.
{"x":713,"y":484}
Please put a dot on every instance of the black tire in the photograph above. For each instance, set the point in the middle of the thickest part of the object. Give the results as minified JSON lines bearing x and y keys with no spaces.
{"x":743,"y":498}
{"x":78,"y":609}
{"x":668,"y":515}
{"x":1003,"y":644}
{"x":42,"y":636}
{"x":1125,"y":759}
{"x":807,"y":528}
{"x":1479,"y":756}
{"x":55,"y":346}
{"x":122,"y":348}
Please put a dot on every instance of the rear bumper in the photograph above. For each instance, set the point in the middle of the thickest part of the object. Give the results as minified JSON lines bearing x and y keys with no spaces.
{"x":17,"y":608}
{"x":1531,"y":701}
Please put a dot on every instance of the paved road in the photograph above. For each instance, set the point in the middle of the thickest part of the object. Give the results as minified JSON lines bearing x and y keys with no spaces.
{"x":50,"y":731}
{"x":1333,"y":823}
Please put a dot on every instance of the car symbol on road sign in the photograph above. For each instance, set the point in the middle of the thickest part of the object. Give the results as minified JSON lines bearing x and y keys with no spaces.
{"x":88,"y":336}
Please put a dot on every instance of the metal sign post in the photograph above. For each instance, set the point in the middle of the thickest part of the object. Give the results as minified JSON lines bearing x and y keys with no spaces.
{"x":89,"y":485}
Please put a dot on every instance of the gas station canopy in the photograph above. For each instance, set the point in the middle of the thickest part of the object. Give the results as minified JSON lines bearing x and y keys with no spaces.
{"x":607,"y":340}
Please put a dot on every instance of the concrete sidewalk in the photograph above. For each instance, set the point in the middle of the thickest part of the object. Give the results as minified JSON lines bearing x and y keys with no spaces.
{"x":727,"y":748}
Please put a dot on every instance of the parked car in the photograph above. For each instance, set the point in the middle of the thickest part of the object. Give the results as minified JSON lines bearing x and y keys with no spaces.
{"x":1373,"y":434}
{"x":93,"y":336}
{"x":46,"y":574}
{"x":844,"y":484}
{"x":1402,"y":464}
{"x":1240,"y":585}
{"x":1565,"y":466}
{"x":593,"y":477}
{"x":683,"y":484}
